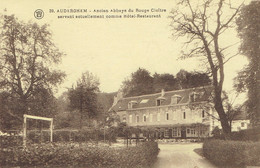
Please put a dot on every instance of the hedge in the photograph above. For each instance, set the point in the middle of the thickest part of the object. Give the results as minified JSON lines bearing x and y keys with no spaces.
{"x":84,"y":135}
{"x":252,"y":134}
{"x":232,"y":153}
{"x":10,"y":141}
{"x":49,"y":155}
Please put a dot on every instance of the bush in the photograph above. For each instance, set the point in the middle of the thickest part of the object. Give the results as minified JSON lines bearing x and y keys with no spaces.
{"x":247,"y":135}
{"x":37,"y":136}
{"x":83,"y":135}
{"x":49,"y":155}
{"x":232,"y":153}
{"x":10,"y":141}
{"x":217,"y":133}
{"x":252,"y":134}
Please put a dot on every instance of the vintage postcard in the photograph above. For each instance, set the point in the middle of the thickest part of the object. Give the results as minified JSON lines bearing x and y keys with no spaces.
{"x":115,"y":83}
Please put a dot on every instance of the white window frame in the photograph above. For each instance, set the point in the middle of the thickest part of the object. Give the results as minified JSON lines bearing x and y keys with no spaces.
{"x":130,"y":105}
{"x":242,"y":124}
{"x":203,"y":113}
{"x":166,"y":133}
{"x":167,"y":116}
{"x":175,"y":132}
{"x":144,"y":118}
{"x":130,"y":118}
{"x":124,"y":118}
{"x":137,"y":119}
{"x":158,"y":104}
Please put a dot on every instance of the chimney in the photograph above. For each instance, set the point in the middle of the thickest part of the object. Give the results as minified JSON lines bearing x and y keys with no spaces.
{"x":118,"y":97}
{"x":115,"y":101}
{"x":162,"y":93}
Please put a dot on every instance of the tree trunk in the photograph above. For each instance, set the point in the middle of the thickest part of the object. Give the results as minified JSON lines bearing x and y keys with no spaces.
{"x":226,"y":127}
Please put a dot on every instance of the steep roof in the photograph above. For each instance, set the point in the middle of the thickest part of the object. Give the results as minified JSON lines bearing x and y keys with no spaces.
{"x":242,"y":115}
{"x":149,"y":100}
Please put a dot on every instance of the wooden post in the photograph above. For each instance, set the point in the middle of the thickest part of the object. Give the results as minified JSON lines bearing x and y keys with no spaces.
{"x":51,"y":130}
{"x":24,"y":131}
{"x":104,"y":134}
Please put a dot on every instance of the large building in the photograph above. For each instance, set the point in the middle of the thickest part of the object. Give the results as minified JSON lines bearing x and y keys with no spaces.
{"x":185,"y":113}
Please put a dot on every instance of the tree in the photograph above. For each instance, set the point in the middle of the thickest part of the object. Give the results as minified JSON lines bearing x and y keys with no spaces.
{"x":7,"y":104}
{"x":164,"y":81}
{"x":141,"y":83}
{"x":248,"y":79}
{"x":203,"y":25}
{"x":192,"y":79}
{"x":83,"y":97}
{"x":27,"y":59}
{"x":232,"y":111}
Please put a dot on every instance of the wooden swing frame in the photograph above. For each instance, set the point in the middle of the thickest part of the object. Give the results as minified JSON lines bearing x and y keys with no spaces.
{"x":25,"y":116}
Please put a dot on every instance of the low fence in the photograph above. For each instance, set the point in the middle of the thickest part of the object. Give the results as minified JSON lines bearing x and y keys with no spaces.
{"x":14,"y":138}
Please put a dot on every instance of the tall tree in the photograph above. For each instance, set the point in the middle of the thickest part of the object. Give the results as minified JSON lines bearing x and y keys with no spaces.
{"x":141,"y":82}
{"x":203,"y":25}
{"x":249,"y":78}
{"x":164,"y":81}
{"x":192,"y":79}
{"x":83,"y":97}
{"x":27,"y":59}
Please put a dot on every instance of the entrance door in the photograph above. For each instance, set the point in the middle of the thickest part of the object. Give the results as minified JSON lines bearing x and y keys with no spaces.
{"x":170,"y":133}
{"x":183,"y":134}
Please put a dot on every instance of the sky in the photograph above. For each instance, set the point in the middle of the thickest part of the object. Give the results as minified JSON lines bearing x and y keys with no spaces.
{"x":113,"y":48}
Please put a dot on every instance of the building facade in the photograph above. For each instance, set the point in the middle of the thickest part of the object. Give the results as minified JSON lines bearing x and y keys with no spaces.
{"x":185,"y":113}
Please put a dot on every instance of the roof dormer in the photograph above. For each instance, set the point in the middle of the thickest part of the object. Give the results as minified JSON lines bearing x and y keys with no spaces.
{"x":160,"y":99}
{"x":175,"y":99}
{"x":131,"y":103}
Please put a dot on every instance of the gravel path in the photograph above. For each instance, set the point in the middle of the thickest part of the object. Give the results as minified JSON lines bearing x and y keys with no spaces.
{"x":181,"y":156}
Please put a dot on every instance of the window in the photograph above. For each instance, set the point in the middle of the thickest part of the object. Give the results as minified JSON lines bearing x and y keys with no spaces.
{"x":158,"y":102}
{"x":242,"y":124}
{"x":162,"y":134}
{"x":192,"y":131}
{"x":130,"y":118}
{"x":203,"y":114}
{"x":184,"y":115}
{"x":175,"y":99}
{"x":129,"y":105}
{"x":167,"y":116}
{"x":158,"y":116}
{"x":166,"y":133}
{"x":151,"y":117}
{"x":174,"y":132}
{"x":144,"y":101}
{"x":137,"y":118}
{"x":124,"y":118}
{"x":192,"y":97}
{"x":144,"y":118}
{"x":188,"y":131}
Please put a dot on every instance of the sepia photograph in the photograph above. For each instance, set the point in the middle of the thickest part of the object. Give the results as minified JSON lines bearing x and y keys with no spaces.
{"x":130,"y":84}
